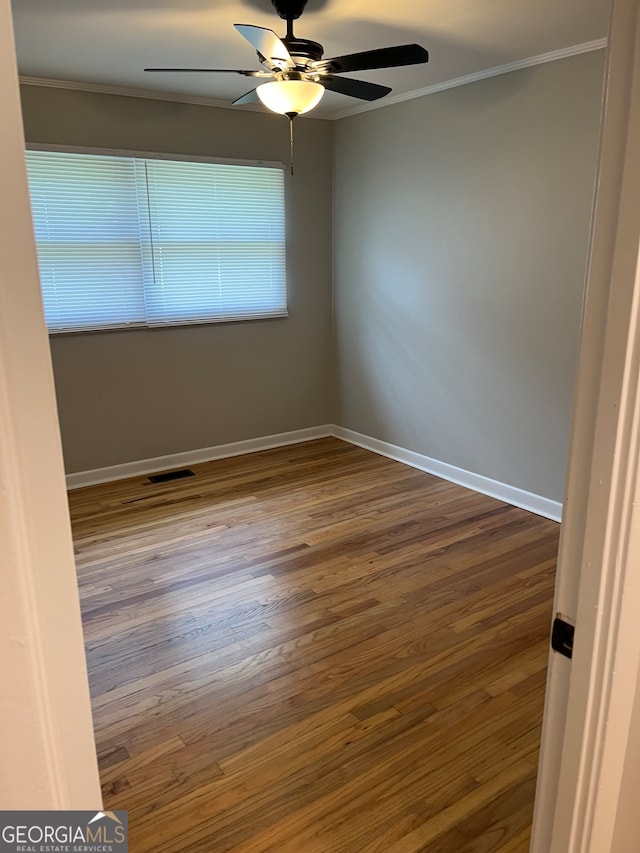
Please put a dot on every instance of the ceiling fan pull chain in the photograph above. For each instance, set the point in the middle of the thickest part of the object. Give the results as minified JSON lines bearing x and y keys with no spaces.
{"x":291,"y":117}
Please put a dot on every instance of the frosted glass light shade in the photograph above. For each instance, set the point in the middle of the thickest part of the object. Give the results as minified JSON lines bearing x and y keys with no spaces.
{"x":290,"y":96}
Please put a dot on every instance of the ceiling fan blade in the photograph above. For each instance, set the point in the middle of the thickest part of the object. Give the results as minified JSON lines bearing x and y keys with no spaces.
{"x":250,"y":97}
{"x":355,"y":88}
{"x":267,"y":43}
{"x":383,"y":57}
{"x":211,"y":71}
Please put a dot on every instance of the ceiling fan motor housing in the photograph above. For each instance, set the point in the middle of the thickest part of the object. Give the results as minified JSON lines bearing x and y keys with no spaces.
{"x":304,"y":49}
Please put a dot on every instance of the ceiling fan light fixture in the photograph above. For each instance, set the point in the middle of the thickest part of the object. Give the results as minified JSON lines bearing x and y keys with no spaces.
{"x":290,"y":97}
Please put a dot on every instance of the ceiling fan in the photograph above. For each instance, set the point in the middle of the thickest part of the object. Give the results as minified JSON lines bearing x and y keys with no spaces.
{"x":299,"y":75}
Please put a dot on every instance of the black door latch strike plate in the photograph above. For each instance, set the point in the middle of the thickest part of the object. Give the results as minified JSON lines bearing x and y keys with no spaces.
{"x":562,"y":637}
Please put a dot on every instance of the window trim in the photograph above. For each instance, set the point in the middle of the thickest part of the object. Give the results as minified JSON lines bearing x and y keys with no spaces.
{"x":179,"y":158}
{"x":152,"y":155}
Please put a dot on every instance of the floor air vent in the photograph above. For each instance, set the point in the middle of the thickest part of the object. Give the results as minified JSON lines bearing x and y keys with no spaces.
{"x":171,"y":475}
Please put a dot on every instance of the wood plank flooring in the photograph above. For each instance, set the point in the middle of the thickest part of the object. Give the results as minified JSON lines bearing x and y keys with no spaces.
{"x":315,"y":649}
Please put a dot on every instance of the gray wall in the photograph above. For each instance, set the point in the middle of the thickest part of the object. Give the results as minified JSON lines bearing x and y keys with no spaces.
{"x":460,"y":241}
{"x":135,"y":394}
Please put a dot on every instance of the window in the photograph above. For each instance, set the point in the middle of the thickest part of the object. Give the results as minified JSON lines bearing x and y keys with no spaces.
{"x":130,"y":241}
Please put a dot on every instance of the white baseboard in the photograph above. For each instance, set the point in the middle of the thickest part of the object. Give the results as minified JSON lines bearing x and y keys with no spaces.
{"x":192,"y":457}
{"x":485,"y":485}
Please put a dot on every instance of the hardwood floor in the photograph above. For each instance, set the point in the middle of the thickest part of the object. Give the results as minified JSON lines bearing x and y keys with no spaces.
{"x":315,"y":649}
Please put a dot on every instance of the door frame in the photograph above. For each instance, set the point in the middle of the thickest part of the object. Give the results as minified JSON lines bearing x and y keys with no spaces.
{"x":590,"y":700}
{"x":48,"y":756}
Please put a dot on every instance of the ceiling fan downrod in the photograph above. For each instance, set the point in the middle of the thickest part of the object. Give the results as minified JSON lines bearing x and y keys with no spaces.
{"x":290,"y":11}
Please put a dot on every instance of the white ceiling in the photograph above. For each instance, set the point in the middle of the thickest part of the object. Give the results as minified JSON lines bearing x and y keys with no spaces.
{"x":109,"y":42}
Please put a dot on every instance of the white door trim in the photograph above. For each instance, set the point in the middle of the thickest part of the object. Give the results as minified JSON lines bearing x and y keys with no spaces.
{"x":582,"y":761}
{"x":48,"y":758}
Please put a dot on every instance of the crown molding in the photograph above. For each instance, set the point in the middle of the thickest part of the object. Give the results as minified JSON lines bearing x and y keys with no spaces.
{"x":157,"y":95}
{"x":126,"y":91}
{"x":541,"y":59}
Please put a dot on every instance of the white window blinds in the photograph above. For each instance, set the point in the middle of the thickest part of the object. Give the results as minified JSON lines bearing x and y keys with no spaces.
{"x":126,"y":241}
